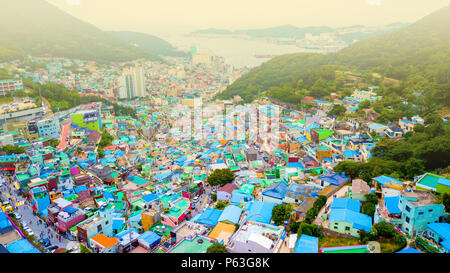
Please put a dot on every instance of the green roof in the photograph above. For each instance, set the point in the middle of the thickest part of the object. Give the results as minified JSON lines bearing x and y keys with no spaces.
{"x":247,"y":189}
{"x":179,"y":207}
{"x":430,"y":180}
{"x":139,"y":180}
{"x":72,"y":197}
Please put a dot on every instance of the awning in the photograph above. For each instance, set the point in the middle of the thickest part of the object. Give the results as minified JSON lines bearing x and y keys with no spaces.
{"x":62,"y":229}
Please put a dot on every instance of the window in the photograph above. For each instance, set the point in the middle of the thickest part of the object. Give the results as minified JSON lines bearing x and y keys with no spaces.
{"x":421,"y":213}
{"x":430,"y":210}
{"x":407,"y":219}
{"x":99,"y":228}
{"x":408,"y":208}
{"x":347,"y":228}
{"x":107,"y":222}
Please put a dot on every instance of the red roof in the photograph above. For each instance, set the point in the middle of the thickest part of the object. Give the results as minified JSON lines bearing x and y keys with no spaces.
{"x":230,"y":187}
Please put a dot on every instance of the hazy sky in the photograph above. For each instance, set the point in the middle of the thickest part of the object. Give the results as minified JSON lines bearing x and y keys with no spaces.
{"x":157,"y":16}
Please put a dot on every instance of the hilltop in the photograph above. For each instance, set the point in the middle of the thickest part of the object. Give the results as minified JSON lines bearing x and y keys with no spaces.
{"x":150,"y":43}
{"x":418,"y":54}
{"x":41,"y":29}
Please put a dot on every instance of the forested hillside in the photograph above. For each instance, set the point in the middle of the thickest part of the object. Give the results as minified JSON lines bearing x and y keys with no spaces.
{"x":149,"y":43}
{"x":41,"y":29}
{"x":418,"y":55}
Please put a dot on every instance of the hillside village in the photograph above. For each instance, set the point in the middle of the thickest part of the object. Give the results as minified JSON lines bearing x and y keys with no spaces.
{"x":174,"y":178}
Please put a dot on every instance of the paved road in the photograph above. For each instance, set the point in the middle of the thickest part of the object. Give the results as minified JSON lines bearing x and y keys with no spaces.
{"x":64,"y":135}
{"x":202,"y":202}
{"x":39,"y":228}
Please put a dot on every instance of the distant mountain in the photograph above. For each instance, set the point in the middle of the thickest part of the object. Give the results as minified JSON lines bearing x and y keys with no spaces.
{"x":35,"y":27}
{"x":290,"y":31}
{"x":285,"y":31}
{"x":213,"y":31}
{"x":418,"y":51}
{"x":149,"y":43}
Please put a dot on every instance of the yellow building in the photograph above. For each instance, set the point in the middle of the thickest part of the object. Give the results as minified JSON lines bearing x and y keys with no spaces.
{"x":148,"y":219}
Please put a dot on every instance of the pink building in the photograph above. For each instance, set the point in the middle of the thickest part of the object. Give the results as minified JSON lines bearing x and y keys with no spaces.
{"x":69,"y":217}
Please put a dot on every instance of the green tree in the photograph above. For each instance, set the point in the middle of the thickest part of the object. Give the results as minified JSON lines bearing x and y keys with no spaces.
{"x":368,"y":208}
{"x":365,"y":104}
{"x":214,"y":197}
{"x":338,"y":110}
{"x":446,"y":201}
{"x":349,"y":167}
{"x":12,"y":149}
{"x":371,"y":198}
{"x":221,"y":205}
{"x":54,"y":142}
{"x":281,"y":213}
{"x":309,"y":229}
{"x":84,"y":249}
{"x":216,"y":248}
{"x":221,"y":177}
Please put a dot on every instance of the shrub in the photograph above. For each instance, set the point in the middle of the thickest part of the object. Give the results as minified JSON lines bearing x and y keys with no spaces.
{"x":214,"y":197}
{"x":309,"y":229}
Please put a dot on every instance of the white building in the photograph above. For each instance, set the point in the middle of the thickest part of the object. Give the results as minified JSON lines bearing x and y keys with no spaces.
{"x":49,"y":127}
{"x":132,"y":83}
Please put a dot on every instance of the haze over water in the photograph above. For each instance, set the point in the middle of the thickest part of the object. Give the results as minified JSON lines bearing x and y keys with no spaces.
{"x":237,"y":52}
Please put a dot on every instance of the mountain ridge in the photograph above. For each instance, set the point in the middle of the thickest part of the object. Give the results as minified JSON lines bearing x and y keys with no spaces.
{"x":41,"y":28}
{"x":420,"y":50}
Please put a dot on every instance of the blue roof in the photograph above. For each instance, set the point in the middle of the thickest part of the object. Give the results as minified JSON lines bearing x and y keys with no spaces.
{"x":70,"y":210}
{"x":334,"y":178}
{"x":260,"y":211}
{"x":349,"y":153}
{"x":117,"y":223}
{"x":294,"y":165}
{"x":406,"y":121}
{"x":409,"y":250}
{"x":383,"y":180}
{"x":237,"y":197}
{"x":276,"y":190}
{"x":446,"y":244}
{"x":376,"y":126}
{"x":392,"y":204}
{"x":358,"y":220}
{"x":4,"y":221}
{"x":21,"y":246}
{"x":307,"y":244}
{"x":444,"y":181}
{"x":346,"y":203}
{"x":126,"y":232}
{"x":108,"y":195}
{"x":210,"y":217}
{"x":150,"y":238}
{"x":162,"y":176}
{"x":441,"y":229}
{"x":231,"y":214}
{"x":150,"y":197}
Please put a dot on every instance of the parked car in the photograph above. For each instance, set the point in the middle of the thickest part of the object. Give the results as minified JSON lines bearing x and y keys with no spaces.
{"x":18,"y":216}
{"x":46,"y":242}
{"x":195,"y":200}
{"x":29,"y":231}
{"x":51,"y":248}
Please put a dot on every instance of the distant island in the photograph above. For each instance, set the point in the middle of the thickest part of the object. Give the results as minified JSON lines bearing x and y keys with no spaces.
{"x":348,"y":34}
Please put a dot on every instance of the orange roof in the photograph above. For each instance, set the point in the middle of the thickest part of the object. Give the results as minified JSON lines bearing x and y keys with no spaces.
{"x":222,"y":231}
{"x":104,"y":241}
